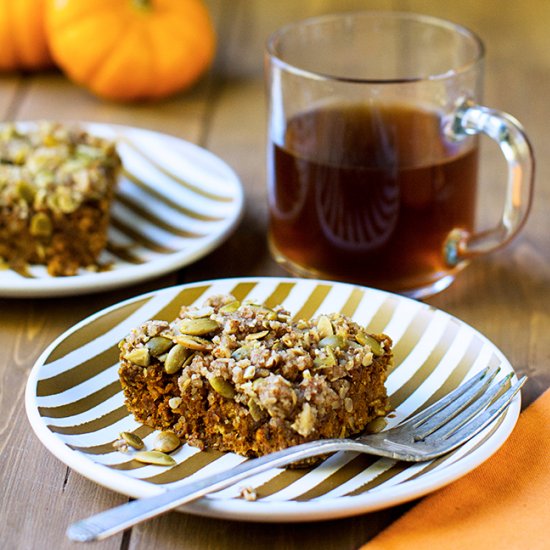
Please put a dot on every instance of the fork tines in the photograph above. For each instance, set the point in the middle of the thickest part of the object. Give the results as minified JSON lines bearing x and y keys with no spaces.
{"x":466,"y":410}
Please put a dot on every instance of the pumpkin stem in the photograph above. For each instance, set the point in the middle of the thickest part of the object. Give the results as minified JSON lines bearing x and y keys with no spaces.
{"x":142,"y":4}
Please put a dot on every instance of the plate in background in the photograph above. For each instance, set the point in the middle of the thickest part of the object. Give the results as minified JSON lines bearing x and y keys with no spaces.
{"x":175,"y":203}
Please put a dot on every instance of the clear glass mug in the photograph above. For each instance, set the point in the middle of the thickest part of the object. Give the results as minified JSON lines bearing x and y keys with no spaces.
{"x":374,"y":120}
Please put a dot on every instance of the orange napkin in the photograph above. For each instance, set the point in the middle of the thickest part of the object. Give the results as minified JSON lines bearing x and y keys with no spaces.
{"x":502,"y":504}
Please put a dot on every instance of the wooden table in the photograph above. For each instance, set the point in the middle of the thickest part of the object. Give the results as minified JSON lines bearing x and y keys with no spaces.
{"x":506,"y":295}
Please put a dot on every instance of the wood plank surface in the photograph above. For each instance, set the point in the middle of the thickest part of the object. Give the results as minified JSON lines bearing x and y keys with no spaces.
{"x":506,"y":295}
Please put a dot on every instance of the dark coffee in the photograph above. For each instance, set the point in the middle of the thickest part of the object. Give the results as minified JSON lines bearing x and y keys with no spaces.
{"x":369,"y":195}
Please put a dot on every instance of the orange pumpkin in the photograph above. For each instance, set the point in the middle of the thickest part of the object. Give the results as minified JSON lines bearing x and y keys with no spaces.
{"x":131,"y":49}
{"x":23,"y":43}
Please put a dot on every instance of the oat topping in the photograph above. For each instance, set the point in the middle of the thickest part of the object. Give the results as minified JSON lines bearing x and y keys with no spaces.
{"x":56,"y":167}
{"x":56,"y":185}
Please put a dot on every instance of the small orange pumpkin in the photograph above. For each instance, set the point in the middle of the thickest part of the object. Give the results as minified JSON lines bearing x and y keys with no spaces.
{"x":23,"y":43}
{"x":131,"y":49}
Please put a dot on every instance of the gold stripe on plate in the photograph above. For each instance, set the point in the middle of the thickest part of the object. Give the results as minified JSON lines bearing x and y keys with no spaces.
{"x":381,"y":478}
{"x":185,"y":297}
{"x":79,"y":373}
{"x":123,"y":252}
{"x":352,"y":303}
{"x":94,"y":329}
{"x":242,"y":290}
{"x":353,"y":468}
{"x":140,"y":238}
{"x":152,"y":218}
{"x":457,"y":375}
{"x":184,"y":469}
{"x":281,"y":481}
{"x":383,"y":315}
{"x":22,"y":271}
{"x":184,"y":183}
{"x":279,"y":295}
{"x":101,"y":449}
{"x":82,"y":405}
{"x":127,"y":466}
{"x":410,"y":338}
{"x":427,"y":367}
{"x":168,"y":201}
{"x":312,"y":304}
{"x":92,"y":425}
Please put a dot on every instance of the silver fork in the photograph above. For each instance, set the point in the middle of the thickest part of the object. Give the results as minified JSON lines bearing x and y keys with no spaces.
{"x":435,"y":431}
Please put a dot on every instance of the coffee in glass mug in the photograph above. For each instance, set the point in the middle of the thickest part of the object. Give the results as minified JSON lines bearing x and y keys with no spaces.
{"x":373,"y":151}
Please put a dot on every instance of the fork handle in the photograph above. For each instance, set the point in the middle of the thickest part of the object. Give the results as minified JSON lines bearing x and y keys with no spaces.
{"x":114,"y":520}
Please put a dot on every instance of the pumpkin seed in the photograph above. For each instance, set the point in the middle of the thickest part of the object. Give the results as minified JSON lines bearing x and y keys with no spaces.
{"x":269,"y":314}
{"x":324,"y":327}
{"x":167,"y":442}
{"x":193,"y":342}
{"x":189,"y":359}
{"x":159,"y":345}
{"x":231,"y":307}
{"x":255,"y":410}
{"x":88,"y":151}
{"x":222,"y":386}
{"x":175,"y":359}
{"x":139,"y":356}
{"x":335,"y":341}
{"x":202,"y":312}
{"x":63,"y":201}
{"x":157,"y":458}
{"x":40,"y":225}
{"x":376,"y":425}
{"x":133,"y":440}
{"x":326,"y":361}
{"x":198,"y":327}
{"x":241,"y":353}
{"x":25,"y":191}
{"x":367,"y":359}
{"x":368,"y":340}
{"x":257,"y":335}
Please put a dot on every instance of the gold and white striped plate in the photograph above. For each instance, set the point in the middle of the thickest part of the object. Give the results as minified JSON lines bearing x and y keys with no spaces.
{"x":175,"y":203}
{"x":75,"y":404}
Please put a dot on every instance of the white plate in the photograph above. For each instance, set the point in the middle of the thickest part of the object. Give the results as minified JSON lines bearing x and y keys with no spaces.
{"x":175,"y":203}
{"x":75,"y":404}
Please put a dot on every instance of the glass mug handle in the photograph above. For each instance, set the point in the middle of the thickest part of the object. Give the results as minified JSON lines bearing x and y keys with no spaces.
{"x":471,"y":119}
